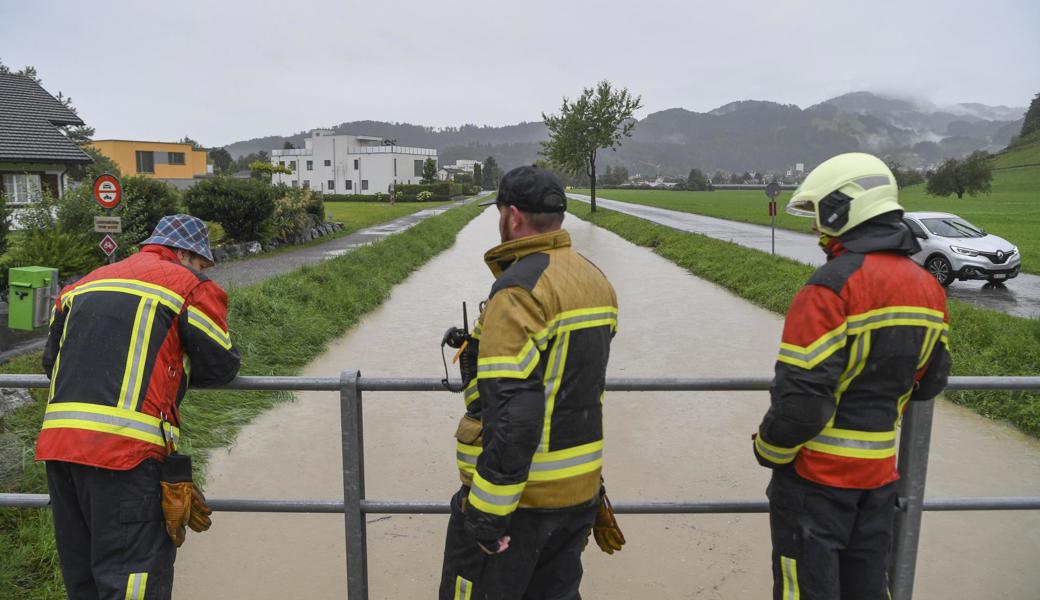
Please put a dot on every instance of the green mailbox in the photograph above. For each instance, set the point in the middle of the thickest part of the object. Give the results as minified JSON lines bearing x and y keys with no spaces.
{"x":33,"y":290}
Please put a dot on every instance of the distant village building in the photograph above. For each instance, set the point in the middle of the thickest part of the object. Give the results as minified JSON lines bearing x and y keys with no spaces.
{"x":34,"y":154}
{"x":350,"y":164}
{"x":460,"y":167}
{"x":173,"y":162}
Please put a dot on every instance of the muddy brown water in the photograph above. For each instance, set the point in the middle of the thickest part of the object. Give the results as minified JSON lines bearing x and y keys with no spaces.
{"x":660,"y":446}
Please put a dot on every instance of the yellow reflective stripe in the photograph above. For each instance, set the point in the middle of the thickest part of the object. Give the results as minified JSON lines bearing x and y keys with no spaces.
{"x":137,"y":355}
{"x":471,"y":393}
{"x":809,"y":356}
{"x":945,"y":335}
{"x":494,"y":498}
{"x":552,"y":384}
{"x":855,"y":444}
{"x":857,"y":362}
{"x":789,"y":571}
{"x":466,"y":457}
{"x":930,"y":338}
{"x":463,"y":588}
{"x":136,"y":585}
{"x":915,"y":316}
{"x":57,"y":358}
{"x":775,"y":454}
{"x":106,"y":419}
{"x":205,"y":324}
{"x":514,"y":367}
{"x":164,"y":296}
{"x":570,"y":462}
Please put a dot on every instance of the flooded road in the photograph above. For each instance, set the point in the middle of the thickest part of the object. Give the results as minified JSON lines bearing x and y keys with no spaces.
{"x":1020,"y":298}
{"x":659,"y":446}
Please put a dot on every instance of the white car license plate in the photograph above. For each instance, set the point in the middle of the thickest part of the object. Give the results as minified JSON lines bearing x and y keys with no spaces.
{"x":999,"y":276}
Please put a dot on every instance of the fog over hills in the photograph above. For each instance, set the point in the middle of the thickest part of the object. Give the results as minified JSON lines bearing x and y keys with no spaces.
{"x":746,"y":135}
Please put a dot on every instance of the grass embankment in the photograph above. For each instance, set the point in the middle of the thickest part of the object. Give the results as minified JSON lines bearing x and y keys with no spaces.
{"x":982,"y":342}
{"x":358,"y":215}
{"x":279,"y":326}
{"x":1010,"y":210}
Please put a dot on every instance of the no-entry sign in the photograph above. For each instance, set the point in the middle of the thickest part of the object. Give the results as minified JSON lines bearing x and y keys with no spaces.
{"x":107,"y":191}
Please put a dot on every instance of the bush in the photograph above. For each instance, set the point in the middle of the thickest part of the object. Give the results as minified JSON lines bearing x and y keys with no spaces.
{"x":291,"y":215}
{"x":72,"y":253}
{"x":145,"y":201}
{"x":243,"y":207}
{"x":424,"y":196}
{"x":353,"y":198}
{"x":442,"y":191}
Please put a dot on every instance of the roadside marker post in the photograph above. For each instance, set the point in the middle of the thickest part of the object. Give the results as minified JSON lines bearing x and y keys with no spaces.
{"x":108,"y":192}
{"x":772,"y":190}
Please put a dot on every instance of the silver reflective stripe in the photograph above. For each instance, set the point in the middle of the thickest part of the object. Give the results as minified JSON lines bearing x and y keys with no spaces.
{"x":789,"y":566}
{"x":775,"y":454}
{"x":552,"y":384}
{"x":494,"y":499}
{"x":872,"y":181}
{"x":519,"y":367}
{"x":863,"y":321}
{"x":466,"y":458}
{"x":201,"y":323}
{"x":140,"y":353}
{"x":563,"y":463}
{"x":131,"y":287}
{"x":76,"y":415}
{"x":860,"y":444}
{"x":809,"y":356}
{"x":584,"y":319}
{"x":463,"y":588}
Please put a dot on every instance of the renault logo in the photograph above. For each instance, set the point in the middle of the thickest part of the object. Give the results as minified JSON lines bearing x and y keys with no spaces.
{"x":1000,"y":255}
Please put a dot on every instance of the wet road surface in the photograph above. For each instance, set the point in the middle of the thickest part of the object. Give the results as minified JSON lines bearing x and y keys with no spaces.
{"x":660,"y":446}
{"x":1020,"y":297}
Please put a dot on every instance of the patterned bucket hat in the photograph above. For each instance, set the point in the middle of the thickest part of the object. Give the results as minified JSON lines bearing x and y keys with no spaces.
{"x":182,"y":231}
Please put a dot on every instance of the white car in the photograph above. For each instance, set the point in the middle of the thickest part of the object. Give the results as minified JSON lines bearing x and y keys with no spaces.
{"x":952,"y":248}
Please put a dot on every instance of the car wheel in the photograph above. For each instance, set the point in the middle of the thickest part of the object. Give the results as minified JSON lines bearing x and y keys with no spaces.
{"x":940,"y":268}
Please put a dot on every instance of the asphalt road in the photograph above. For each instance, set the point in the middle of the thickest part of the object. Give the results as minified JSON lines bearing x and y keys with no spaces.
{"x":1020,"y":298}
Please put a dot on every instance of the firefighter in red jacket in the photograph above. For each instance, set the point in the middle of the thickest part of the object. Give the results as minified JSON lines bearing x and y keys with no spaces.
{"x":866,"y":335}
{"x":125,"y":342}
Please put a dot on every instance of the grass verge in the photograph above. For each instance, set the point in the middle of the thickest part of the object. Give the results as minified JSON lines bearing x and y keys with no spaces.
{"x":316,"y":304}
{"x":982,"y":342}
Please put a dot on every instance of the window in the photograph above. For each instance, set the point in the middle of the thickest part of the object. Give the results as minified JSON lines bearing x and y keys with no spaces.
{"x":145,"y":162}
{"x":21,"y":188}
{"x":357,"y":163}
{"x":295,"y":183}
{"x":292,"y":165}
{"x":306,"y":184}
{"x":914,"y":227}
{"x":418,"y":168}
{"x":281,"y":163}
{"x":364,"y":184}
{"x":349,"y":185}
{"x":332,"y":184}
{"x":328,"y":163}
{"x":310,"y":165}
{"x":175,"y":158}
{"x":395,"y":167}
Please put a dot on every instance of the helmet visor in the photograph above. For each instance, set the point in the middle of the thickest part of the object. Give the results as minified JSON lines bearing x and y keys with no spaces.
{"x":801,"y":207}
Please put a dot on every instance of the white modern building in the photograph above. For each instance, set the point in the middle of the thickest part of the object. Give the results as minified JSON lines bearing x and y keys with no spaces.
{"x":350,"y":164}
{"x":461,"y":166}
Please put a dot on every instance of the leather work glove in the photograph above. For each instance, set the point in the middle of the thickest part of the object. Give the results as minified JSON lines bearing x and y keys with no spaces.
{"x":176,"y":506}
{"x":199,"y":520}
{"x":606,"y":531}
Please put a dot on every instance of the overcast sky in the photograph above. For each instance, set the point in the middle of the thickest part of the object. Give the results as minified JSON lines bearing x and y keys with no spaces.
{"x":223,"y":71}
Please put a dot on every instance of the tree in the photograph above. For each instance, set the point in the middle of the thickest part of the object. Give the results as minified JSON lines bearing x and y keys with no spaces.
{"x":719,"y":177}
{"x":478,"y":175}
{"x":194,"y":145}
{"x":971,"y":176}
{"x":265,"y":170}
{"x":77,"y":133}
{"x":1031,"y":122}
{"x":904,"y":177}
{"x":598,"y":119}
{"x":101,"y":165}
{"x":491,"y":174}
{"x":288,"y":145}
{"x":696,"y":181}
{"x":429,"y":171}
{"x":221,"y":159}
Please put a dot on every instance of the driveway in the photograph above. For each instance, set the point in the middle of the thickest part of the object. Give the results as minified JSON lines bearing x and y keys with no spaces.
{"x":1020,"y":298}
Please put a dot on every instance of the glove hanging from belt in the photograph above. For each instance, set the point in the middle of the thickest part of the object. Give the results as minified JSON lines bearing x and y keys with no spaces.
{"x":605,"y":529}
{"x":183,"y":504}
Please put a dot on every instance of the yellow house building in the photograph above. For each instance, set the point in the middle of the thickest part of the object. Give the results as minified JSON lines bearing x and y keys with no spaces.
{"x":160,"y":160}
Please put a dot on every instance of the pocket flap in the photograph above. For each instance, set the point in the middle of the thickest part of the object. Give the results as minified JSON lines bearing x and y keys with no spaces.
{"x":469,"y":430}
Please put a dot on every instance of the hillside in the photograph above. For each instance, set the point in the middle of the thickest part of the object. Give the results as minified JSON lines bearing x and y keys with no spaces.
{"x":744,"y":135}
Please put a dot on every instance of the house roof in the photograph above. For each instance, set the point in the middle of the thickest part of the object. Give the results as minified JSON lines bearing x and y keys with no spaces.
{"x":29,"y":121}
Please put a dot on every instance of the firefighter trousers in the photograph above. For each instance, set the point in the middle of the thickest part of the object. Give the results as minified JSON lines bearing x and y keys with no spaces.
{"x":829,"y":543}
{"x":543,"y":561}
{"x":110,"y":532}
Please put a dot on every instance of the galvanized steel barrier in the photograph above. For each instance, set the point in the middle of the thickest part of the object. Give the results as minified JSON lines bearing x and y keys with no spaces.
{"x":913,"y":465}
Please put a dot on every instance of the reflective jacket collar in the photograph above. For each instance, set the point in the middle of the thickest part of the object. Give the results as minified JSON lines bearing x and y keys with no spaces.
{"x":501,"y":257}
{"x":163,"y":252}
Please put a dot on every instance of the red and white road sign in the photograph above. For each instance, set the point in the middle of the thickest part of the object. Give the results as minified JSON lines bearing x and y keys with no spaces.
{"x":772,"y":209}
{"x":107,"y":191}
{"x":108,"y":245}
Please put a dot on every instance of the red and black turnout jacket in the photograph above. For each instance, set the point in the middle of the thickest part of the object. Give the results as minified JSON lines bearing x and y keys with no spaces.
{"x":125,"y":341}
{"x":866,"y":334}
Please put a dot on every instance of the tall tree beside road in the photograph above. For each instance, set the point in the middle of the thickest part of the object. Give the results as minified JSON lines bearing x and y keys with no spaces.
{"x":971,"y":176}
{"x":1031,"y":122}
{"x":599,"y":118}
{"x":221,"y":159}
{"x":491,"y":174}
{"x":696,"y":181}
{"x":429,"y":171}
{"x":478,"y":175}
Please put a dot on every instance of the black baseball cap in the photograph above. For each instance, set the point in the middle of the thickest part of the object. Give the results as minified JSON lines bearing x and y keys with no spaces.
{"x":531,"y":189}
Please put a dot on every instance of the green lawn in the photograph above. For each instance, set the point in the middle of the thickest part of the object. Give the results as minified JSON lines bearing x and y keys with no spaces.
{"x":358,"y":215}
{"x":1011,"y":211}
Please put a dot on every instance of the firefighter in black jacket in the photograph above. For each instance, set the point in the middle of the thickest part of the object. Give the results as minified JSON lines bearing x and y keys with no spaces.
{"x":530,"y":446}
{"x":866,"y":335}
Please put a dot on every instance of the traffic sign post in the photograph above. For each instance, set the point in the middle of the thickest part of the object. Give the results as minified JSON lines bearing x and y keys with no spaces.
{"x":108,"y":192}
{"x":772,"y":190}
